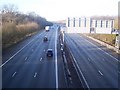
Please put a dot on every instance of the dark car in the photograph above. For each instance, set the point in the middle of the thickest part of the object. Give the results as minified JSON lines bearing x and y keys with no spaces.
{"x":45,"y":38}
{"x":49,"y":52}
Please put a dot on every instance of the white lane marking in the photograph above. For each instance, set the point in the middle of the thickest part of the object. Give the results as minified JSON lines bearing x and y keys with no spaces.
{"x":18,"y":52}
{"x":103,"y":59}
{"x":56,"y":67}
{"x":103,"y":50}
{"x":100,"y":73}
{"x":40,"y":59}
{"x":82,"y":75}
{"x":14,"y":74}
{"x":89,"y":59}
{"x":80,"y":71}
{"x":25,"y":58}
{"x":35,"y":74}
{"x":44,"y":50}
{"x":14,"y":54}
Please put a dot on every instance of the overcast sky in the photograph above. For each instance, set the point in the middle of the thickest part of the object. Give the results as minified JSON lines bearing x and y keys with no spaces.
{"x":54,"y":10}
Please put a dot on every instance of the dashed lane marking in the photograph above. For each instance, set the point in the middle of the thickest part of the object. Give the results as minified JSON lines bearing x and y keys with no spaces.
{"x":25,"y":58}
{"x":14,"y":74}
{"x":35,"y":74}
{"x":100,"y":73}
{"x":40,"y":59}
{"x":18,"y":51}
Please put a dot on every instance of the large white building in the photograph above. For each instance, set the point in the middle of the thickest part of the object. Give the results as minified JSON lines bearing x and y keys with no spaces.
{"x":89,"y":25}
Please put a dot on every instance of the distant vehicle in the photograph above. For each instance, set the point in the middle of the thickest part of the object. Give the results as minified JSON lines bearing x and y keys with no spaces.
{"x":49,"y":52}
{"x":62,"y":47}
{"x":47,"y":28}
{"x":45,"y":39}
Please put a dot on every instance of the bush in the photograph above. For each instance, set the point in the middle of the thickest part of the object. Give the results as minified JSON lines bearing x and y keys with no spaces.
{"x":107,"y":38}
{"x":12,"y":33}
{"x":28,"y":28}
{"x":8,"y":32}
{"x":16,"y":26}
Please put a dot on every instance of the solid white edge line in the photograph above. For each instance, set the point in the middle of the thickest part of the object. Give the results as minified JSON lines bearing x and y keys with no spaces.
{"x":56,"y":67}
{"x":17,"y":52}
{"x":102,"y":50}
{"x":81,"y":72}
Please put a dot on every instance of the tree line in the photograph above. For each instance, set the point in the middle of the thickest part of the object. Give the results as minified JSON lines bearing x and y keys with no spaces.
{"x":16,"y":25}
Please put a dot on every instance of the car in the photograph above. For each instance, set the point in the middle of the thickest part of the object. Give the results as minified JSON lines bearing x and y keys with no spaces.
{"x":47,"y":30}
{"x":45,"y":39}
{"x":49,"y":53}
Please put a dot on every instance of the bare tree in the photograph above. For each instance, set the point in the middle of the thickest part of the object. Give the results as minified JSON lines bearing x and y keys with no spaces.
{"x":9,"y":8}
{"x":9,"y":12}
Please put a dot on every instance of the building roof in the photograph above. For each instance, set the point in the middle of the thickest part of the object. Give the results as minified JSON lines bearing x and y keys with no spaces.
{"x":103,"y":17}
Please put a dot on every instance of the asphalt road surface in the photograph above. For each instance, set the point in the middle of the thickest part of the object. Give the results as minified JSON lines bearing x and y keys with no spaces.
{"x":26,"y":65}
{"x":99,"y":68}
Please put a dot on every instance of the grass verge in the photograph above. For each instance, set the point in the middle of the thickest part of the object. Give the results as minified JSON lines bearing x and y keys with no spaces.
{"x":107,"y":38}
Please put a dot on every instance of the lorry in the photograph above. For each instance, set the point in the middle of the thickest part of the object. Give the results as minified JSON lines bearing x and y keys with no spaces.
{"x":47,"y":28}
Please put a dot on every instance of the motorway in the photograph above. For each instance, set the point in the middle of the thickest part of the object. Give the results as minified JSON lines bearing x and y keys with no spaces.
{"x":26,"y":65}
{"x":98,"y":68}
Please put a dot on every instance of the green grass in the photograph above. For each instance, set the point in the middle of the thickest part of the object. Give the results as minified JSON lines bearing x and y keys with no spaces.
{"x":107,"y":38}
